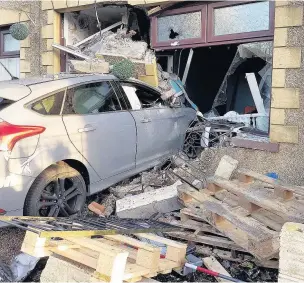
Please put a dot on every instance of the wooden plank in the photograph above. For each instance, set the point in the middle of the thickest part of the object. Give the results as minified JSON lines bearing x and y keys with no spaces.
{"x":263,"y":197}
{"x":276,"y":183}
{"x":207,"y":240}
{"x":212,"y":264}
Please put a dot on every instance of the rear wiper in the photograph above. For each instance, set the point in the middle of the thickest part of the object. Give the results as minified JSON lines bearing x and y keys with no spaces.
{"x":13,"y":77}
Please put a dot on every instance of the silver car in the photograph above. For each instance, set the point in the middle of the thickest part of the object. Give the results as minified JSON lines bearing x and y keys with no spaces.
{"x":64,"y":138}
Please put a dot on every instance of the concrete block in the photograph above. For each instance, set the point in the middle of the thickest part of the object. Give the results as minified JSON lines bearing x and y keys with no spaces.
{"x":226,"y":167}
{"x":25,"y":43}
{"x":25,"y":66}
{"x":284,"y":134}
{"x":50,"y":17}
{"x":151,"y":80}
{"x":22,"y":53}
{"x":286,"y":57}
{"x":146,"y":204}
{"x":47,"y":31}
{"x":72,"y":3}
{"x":277,"y":116}
{"x":91,"y":67}
{"x":151,"y":69}
{"x":59,"y":269}
{"x":285,"y":98}
{"x":86,"y":2}
{"x":279,"y":3}
{"x":49,"y":43}
{"x":278,"y":77}
{"x":22,"y":75}
{"x":288,"y":16}
{"x":47,"y":58}
{"x":280,"y":37}
{"x":46,"y":5}
{"x":122,"y":191}
{"x":50,"y":70}
{"x":291,"y":263}
{"x":59,"y":4}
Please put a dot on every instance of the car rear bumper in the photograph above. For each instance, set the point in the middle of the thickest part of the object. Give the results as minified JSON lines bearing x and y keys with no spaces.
{"x":13,"y":191}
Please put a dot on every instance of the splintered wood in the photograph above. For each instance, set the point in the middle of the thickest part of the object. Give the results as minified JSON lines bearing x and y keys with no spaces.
{"x":250,"y":210}
{"x":112,"y":258}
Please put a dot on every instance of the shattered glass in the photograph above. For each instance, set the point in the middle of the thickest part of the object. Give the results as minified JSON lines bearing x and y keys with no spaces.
{"x":248,"y":50}
{"x":241,"y":18}
{"x":179,"y":27}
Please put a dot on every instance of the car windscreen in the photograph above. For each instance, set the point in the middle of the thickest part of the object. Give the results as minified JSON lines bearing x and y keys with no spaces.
{"x":5,"y":102}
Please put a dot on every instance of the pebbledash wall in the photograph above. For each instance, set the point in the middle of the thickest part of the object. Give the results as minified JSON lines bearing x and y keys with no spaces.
{"x":37,"y":57}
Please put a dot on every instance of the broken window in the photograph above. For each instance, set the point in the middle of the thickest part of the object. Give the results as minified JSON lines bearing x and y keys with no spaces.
{"x":91,"y":98}
{"x":142,"y":97}
{"x":241,"y":18}
{"x":179,"y":27}
{"x":50,"y":105}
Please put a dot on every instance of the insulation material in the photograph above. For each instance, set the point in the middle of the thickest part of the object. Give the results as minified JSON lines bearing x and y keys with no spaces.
{"x":245,"y":51}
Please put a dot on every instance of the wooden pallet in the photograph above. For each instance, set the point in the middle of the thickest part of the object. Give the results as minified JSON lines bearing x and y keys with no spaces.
{"x":250,"y":211}
{"x":114,"y":258}
{"x":209,"y":241}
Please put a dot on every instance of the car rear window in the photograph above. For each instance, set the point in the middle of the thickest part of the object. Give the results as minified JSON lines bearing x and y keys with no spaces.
{"x":5,"y":102}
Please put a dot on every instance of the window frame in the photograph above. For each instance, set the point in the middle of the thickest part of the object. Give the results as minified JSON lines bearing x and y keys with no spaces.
{"x":186,"y":10}
{"x":86,"y":83}
{"x":6,"y":54}
{"x":236,"y":36}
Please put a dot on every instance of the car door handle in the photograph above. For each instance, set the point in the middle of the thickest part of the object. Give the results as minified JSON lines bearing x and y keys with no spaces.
{"x":146,"y":120}
{"x":87,"y":129}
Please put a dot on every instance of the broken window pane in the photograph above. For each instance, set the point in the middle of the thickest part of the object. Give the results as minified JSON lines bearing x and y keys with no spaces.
{"x":241,"y":18}
{"x":179,"y":27}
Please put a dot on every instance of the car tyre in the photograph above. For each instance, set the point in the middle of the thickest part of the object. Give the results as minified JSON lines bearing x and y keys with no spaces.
{"x":59,"y":191}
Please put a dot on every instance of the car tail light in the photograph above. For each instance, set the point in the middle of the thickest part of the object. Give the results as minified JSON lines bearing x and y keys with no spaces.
{"x":10,"y":134}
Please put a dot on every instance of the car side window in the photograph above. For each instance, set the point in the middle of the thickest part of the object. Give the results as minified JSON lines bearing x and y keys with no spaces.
{"x":142,"y":97}
{"x":91,"y":98}
{"x":50,"y":105}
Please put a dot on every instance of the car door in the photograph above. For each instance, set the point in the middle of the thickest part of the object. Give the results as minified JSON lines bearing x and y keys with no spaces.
{"x":156,"y":122}
{"x":100,"y":127}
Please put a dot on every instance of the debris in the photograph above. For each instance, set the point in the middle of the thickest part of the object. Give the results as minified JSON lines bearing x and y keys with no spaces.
{"x":213,"y":264}
{"x":109,"y":202}
{"x":226,"y":167}
{"x":146,"y":204}
{"x":71,"y":51}
{"x":22,"y":265}
{"x":6,"y":274}
{"x":122,"y":191}
{"x":97,"y":208}
{"x":91,"y":66}
{"x":291,"y":267}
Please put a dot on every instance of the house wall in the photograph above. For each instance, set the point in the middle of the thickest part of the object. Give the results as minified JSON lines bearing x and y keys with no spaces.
{"x":287,"y":112}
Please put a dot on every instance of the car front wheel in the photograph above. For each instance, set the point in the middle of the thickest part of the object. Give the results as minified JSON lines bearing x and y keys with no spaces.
{"x":59,"y":191}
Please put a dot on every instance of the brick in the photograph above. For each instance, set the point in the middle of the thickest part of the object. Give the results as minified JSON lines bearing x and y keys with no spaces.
{"x":288,"y":16}
{"x":226,"y":167}
{"x":49,"y":43}
{"x":278,"y":77}
{"x":151,"y":69}
{"x":280,"y":37}
{"x":46,"y":5}
{"x":47,"y":31}
{"x":285,"y":98}
{"x":25,"y":43}
{"x":22,"y":75}
{"x":277,"y":116}
{"x":286,"y":57}
{"x":59,"y":4}
{"x":22,"y":53}
{"x":50,"y":17}
{"x":286,"y":134}
{"x":25,"y":66}
{"x":47,"y":58}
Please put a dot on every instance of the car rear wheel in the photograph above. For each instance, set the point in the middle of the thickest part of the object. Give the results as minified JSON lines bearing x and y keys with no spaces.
{"x":59,"y":191}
